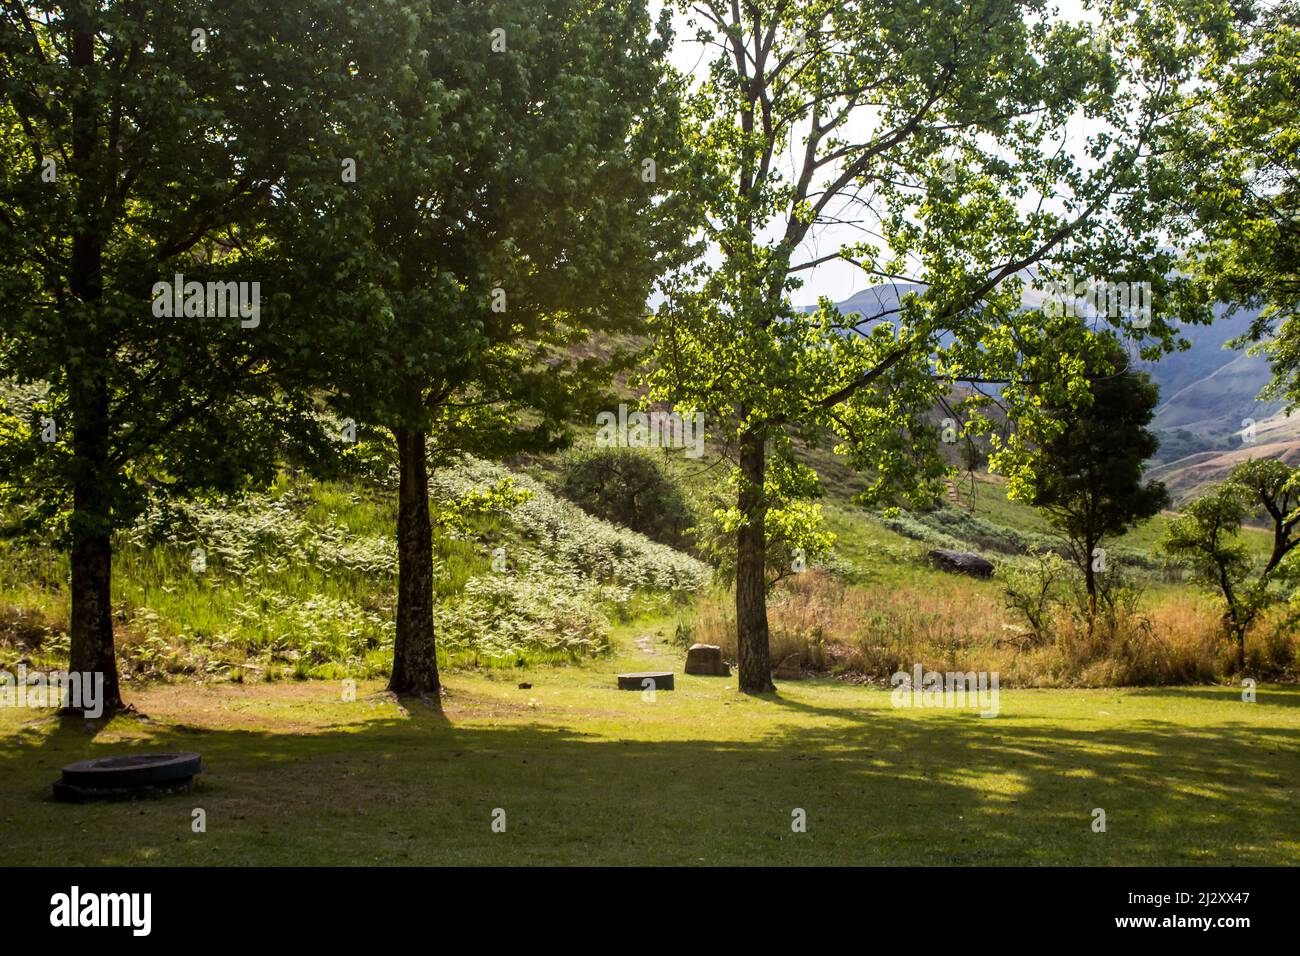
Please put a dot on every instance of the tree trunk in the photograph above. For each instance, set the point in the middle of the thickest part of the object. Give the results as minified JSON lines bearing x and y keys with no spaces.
{"x":751,"y":584}
{"x":415,"y":658}
{"x":92,"y":651}
{"x":1090,"y":581}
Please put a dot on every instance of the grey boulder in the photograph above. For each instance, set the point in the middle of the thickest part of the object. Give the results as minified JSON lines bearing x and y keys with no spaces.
{"x":962,"y":562}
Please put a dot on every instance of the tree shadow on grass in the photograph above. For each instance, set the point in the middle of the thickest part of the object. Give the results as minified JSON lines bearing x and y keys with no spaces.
{"x":1271,"y":696}
{"x":875,"y":786}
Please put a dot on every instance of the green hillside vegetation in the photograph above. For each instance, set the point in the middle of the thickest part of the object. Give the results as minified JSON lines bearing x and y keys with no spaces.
{"x":299,"y":581}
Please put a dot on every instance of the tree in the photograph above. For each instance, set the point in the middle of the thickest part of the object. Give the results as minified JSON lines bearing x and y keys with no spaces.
{"x":1273,"y":488}
{"x":507,"y":206}
{"x":142,"y":142}
{"x":1208,"y":536}
{"x":1240,"y":155}
{"x":1087,"y":477}
{"x":631,"y":487}
{"x":925,"y":146}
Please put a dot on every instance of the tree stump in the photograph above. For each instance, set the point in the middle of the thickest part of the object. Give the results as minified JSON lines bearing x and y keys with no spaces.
{"x":662,"y":680}
{"x":706,"y":659}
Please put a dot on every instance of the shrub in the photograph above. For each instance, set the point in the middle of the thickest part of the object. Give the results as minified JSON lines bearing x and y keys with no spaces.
{"x":573,"y":542}
{"x":630,"y":487}
{"x":1033,"y":590}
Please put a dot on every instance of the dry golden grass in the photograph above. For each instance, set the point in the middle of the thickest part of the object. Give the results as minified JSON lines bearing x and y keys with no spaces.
{"x":819,"y":623}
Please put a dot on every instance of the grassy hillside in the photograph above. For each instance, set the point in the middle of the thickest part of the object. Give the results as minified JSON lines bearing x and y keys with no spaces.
{"x":1277,"y":436}
{"x":301,"y":582}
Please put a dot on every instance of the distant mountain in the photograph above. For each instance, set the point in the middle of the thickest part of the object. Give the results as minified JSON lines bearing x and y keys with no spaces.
{"x":880,"y":301}
{"x":1206,"y":391}
{"x":1275,"y":437}
{"x":1209,"y":390}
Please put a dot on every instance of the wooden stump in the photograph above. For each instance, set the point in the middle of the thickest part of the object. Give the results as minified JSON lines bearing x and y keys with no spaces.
{"x":706,"y":659}
{"x":662,"y":680}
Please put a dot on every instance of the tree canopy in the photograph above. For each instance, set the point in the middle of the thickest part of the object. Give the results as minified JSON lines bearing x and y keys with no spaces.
{"x":143,"y":143}
{"x":925,"y":145}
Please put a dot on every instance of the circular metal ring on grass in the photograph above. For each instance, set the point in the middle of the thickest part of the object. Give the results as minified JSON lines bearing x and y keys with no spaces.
{"x":132,"y":770}
{"x":662,"y":680}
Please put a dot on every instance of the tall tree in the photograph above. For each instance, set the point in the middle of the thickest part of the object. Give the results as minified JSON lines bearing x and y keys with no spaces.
{"x":947,"y":148}
{"x":509,"y":204}
{"x":1087,"y":477}
{"x":141,"y":141}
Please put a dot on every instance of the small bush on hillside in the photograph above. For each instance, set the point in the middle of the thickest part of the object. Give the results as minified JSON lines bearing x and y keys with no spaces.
{"x":630,"y":487}
{"x":1034,"y":591}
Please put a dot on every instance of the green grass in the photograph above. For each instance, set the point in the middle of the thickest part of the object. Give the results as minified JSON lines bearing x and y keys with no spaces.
{"x":877,"y":554}
{"x":587,"y":774}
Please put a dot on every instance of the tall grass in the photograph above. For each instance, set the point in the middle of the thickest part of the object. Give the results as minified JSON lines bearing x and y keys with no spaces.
{"x":819,"y":623}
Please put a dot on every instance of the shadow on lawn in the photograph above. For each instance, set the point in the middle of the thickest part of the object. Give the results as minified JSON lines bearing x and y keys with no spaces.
{"x":1274,"y":696}
{"x":877,"y":787}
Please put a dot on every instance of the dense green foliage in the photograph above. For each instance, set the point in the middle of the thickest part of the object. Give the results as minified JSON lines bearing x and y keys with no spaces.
{"x":630,"y":487}
{"x":1208,"y":536}
{"x":1087,"y":475}
{"x":1240,"y":154}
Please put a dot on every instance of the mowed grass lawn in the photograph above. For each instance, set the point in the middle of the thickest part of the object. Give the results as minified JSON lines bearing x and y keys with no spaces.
{"x":587,"y":774}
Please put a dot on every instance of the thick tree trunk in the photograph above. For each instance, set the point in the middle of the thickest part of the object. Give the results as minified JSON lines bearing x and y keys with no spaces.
{"x":751,"y":584}
{"x":415,"y":658}
{"x":92,"y":650}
